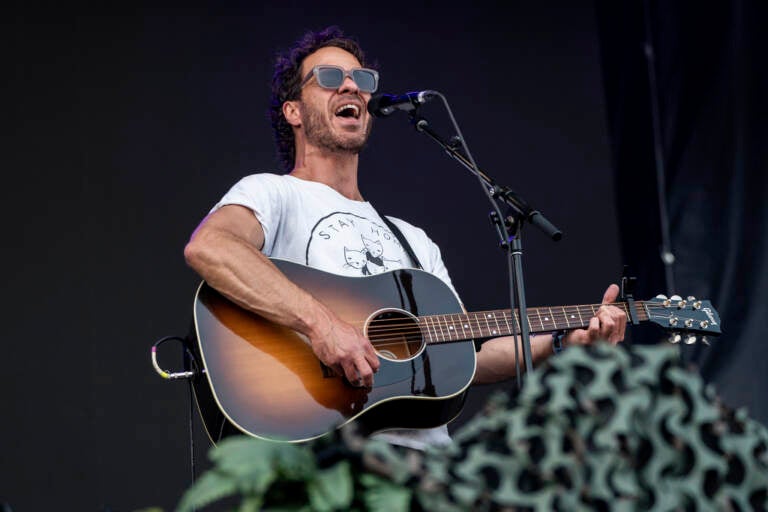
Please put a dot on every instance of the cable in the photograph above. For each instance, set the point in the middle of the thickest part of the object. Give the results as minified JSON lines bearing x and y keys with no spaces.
{"x":164,"y":374}
{"x":667,"y":256}
{"x":189,"y":362}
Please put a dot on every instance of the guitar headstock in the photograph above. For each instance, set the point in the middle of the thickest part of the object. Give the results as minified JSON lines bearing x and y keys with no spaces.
{"x":688,"y":319}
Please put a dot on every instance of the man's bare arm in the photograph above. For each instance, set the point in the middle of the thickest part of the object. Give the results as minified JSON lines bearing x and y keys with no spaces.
{"x":225,"y":250}
{"x":496,"y":359}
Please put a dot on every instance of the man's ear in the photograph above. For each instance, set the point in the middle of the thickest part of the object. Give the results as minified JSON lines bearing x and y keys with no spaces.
{"x":292,"y":112}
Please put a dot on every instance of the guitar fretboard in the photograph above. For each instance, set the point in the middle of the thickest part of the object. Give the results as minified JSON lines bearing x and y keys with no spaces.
{"x":501,"y":322}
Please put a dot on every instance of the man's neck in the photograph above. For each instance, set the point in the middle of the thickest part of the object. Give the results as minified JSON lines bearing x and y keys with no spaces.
{"x":338,"y":171}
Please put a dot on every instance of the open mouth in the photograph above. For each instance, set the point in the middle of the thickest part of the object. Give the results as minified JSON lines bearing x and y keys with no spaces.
{"x":348,"y":110}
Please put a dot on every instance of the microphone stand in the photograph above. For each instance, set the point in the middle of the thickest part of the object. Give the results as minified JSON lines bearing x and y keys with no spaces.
{"x":519,"y":212}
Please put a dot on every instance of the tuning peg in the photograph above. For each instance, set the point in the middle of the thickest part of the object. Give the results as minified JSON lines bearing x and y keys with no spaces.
{"x":705,"y":340}
{"x":690,"y":339}
{"x":689,"y":323}
{"x":662,"y":296}
{"x":697,"y":304}
{"x":690,"y":298}
{"x":676,"y":297}
{"x":674,"y":338}
{"x":704,"y":324}
{"x":673,"y":321}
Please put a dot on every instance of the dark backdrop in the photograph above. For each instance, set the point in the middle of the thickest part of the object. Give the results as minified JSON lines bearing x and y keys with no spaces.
{"x":711,"y":138}
{"x":128,"y":126}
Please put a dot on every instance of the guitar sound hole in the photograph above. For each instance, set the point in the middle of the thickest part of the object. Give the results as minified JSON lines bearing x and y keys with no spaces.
{"x":394,"y":334}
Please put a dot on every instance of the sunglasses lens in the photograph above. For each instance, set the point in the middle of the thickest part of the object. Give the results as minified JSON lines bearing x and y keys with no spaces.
{"x":330,"y":78}
{"x":365,"y":80}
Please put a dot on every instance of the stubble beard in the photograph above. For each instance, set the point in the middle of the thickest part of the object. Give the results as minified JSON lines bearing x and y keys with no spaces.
{"x":320,"y":134}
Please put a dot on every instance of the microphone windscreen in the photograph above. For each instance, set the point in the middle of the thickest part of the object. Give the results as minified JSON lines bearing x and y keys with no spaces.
{"x":377,"y":103}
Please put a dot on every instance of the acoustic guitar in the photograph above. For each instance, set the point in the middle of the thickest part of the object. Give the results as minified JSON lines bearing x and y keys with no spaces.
{"x":262,"y":379}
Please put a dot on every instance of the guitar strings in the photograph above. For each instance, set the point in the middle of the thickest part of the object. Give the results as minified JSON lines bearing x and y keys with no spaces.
{"x":441,"y":330}
{"x":559,"y":316}
{"x":400,"y":333}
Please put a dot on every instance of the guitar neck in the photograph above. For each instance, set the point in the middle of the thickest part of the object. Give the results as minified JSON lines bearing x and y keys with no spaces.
{"x":501,"y":322}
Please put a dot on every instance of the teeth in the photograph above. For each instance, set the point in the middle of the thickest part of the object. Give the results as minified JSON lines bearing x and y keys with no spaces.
{"x":352,"y":106}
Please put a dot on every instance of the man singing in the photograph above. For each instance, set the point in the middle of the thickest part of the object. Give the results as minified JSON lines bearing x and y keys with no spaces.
{"x":315,"y":215}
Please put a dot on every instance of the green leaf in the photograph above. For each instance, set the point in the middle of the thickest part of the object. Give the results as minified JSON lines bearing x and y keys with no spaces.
{"x":295,"y":462}
{"x":331,"y":489}
{"x":255,"y":464}
{"x":208,"y":488}
{"x":250,"y":504}
{"x":385,"y":496}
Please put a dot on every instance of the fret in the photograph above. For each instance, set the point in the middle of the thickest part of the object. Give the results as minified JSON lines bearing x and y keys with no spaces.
{"x":469,"y":325}
{"x":626,"y":310}
{"x":504,"y":316}
{"x":536,"y":310}
{"x":478,"y":325}
{"x":439,"y":322}
{"x":485,"y":317}
{"x":518,"y":324}
{"x":565,"y":315}
{"x":512,"y":325}
{"x":462,"y":323}
{"x":496,"y":321}
{"x":437,"y":336}
{"x":423,"y":321}
{"x":552,"y":318}
{"x":452,"y":327}
{"x":440,"y":325}
{"x":581,"y":320}
{"x":443,"y":328}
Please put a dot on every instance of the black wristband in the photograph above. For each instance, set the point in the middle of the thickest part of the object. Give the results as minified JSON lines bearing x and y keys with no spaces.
{"x":557,"y":341}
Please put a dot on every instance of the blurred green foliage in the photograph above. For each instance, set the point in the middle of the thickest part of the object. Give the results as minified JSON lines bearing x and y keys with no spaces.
{"x":600,"y":427}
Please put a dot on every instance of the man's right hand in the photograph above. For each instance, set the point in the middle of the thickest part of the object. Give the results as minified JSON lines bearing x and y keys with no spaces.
{"x":343,"y":348}
{"x":225,"y":251}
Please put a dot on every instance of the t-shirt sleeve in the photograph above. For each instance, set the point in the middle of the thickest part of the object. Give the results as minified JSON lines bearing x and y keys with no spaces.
{"x":265,"y":196}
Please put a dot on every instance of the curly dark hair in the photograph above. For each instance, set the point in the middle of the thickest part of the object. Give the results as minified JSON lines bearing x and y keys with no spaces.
{"x":287,"y":77}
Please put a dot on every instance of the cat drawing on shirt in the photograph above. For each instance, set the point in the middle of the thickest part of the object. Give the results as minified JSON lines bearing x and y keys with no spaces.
{"x":356,"y":259}
{"x":374,"y":253}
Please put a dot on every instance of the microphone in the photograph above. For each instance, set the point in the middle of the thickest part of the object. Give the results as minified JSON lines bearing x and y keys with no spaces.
{"x":382,"y":105}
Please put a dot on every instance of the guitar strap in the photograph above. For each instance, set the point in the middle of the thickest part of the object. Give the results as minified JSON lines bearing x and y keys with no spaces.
{"x":403,"y":242}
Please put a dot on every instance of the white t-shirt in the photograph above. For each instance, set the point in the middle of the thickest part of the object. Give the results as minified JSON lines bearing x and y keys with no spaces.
{"x":312,"y":224}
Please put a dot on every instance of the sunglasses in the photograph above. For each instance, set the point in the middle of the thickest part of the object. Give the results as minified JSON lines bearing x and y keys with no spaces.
{"x":331,"y":77}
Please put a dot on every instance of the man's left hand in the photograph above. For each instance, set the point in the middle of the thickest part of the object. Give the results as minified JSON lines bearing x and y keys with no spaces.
{"x":608,"y":324}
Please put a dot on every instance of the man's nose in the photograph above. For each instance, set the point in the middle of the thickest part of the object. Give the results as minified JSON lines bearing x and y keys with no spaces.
{"x":348,"y":85}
